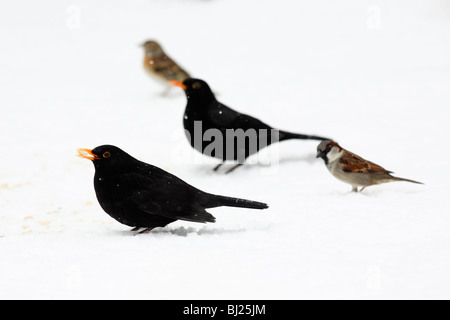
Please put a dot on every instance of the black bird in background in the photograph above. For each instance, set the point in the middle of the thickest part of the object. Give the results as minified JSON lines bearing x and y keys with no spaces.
{"x":140,"y":195}
{"x":202,"y":106}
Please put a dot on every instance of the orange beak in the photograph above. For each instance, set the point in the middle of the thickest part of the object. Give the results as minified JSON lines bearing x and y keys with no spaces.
{"x":87,"y":154}
{"x":176,"y":83}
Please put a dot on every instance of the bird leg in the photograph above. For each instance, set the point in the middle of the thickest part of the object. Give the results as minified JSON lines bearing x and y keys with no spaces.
{"x":146,"y":230}
{"x":135,"y":229}
{"x":166,"y":91}
{"x":355,"y":189}
{"x":362,"y":189}
{"x":218,"y":166}
{"x":234,"y":168}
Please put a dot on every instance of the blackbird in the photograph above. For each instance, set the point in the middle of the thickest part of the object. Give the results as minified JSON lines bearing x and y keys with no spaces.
{"x":204,"y":113}
{"x":140,"y":195}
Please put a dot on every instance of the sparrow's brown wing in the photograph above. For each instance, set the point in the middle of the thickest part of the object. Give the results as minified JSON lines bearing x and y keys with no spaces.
{"x":353,"y":163}
{"x":168,"y":68}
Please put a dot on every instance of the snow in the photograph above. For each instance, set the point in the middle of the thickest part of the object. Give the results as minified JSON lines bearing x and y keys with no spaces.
{"x":374,"y":75}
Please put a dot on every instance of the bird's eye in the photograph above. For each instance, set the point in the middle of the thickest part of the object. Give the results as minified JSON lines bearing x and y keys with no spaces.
{"x":196,"y":85}
{"x":106,"y":155}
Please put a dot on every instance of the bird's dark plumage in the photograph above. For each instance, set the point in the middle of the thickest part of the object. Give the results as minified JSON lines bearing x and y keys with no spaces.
{"x":203,"y":107}
{"x":138,"y":194}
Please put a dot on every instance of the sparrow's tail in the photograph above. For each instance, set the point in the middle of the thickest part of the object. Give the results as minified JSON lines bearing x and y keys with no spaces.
{"x":284,"y":135}
{"x":221,"y":201}
{"x":407,"y":180}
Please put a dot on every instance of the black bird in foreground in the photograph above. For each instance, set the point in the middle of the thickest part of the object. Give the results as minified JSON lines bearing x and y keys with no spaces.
{"x":236,"y":136}
{"x":140,"y":195}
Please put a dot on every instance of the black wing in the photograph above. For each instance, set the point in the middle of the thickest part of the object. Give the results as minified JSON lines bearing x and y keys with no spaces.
{"x":158,"y":192}
{"x":224,"y":117}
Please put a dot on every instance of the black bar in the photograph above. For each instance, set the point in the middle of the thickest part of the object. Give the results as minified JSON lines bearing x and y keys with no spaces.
{"x":221,"y":309}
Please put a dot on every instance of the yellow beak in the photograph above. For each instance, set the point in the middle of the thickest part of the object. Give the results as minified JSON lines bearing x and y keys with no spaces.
{"x":87,"y":154}
{"x":176,"y":83}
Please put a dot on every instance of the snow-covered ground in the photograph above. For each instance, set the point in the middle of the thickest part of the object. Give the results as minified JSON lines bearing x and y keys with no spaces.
{"x":374,"y":75}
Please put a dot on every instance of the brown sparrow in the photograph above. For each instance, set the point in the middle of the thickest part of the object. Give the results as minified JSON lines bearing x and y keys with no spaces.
{"x":160,"y":66}
{"x":353,"y":169}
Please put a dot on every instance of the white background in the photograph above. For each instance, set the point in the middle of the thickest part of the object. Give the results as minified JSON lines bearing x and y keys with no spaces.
{"x":374,"y":75}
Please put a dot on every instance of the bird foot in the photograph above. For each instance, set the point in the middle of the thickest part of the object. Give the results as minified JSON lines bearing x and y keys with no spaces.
{"x":166,"y":92}
{"x":216,"y":168}
{"x":146,"y":230}
{"x":234,"y":168}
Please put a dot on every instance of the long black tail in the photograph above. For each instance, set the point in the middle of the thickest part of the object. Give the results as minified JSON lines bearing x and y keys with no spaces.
{"x":221,"y":201}
{"x":284,"y":135}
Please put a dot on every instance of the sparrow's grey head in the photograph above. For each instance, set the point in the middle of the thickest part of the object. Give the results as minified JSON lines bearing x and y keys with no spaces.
{"x":152,"y":48}
{"x":328,"y":150}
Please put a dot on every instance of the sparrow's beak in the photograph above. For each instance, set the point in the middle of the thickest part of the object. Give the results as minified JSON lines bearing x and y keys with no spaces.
{"x":87,"y":154}
{"x":178,"y":84}
{"x":320,"y":154}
